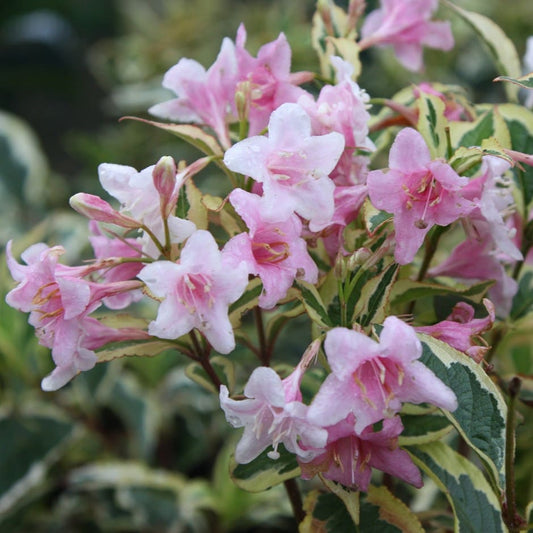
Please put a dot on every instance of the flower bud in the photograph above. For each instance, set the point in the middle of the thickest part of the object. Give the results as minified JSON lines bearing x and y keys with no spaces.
{"x":164,"y":176}
{"x":94,"y":208}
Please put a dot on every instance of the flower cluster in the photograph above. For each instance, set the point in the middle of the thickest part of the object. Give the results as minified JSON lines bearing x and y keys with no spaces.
{"x":308,"y":221}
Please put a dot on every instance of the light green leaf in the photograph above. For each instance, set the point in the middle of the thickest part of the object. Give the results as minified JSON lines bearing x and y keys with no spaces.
{"x":474,"y":503}
{"x":263,"y":473}
{"x":195,"y":210}
{"x":247,"y":301}
{"x":500,"y":46}
{"x":423,"y":428}
{"x":373,"y":303}
{"x":525,"y":81}
{"x":432,"y":123}
{"x":481,"y":413}
{"x":406,"y":290}
{"x":194,"y":135}
{"x":313,"y":304}
{"x":140,"y":349}
{"x":374,"y":218}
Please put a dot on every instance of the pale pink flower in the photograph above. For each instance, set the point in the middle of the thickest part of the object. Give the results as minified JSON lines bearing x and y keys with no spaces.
{"x":273,"y":414}
{"x":274,"y":251}
{"x":371,"y":379}
{"x":406,"y":25}
{"x":492,"y":195}
{"x":419,"y":191}
{"x":475,"y":259}
{"x":196,"y":292}
{"x":462,"y":331}
{"x":203,"y":97}
{"x":292,"y":165}
{"x":59,"y":301}
{"x":343,"y":108}
{"x":140,"y":199}
{"x":266,"y":80}
{"x":112,"y":248}
{"x":348,"y":457}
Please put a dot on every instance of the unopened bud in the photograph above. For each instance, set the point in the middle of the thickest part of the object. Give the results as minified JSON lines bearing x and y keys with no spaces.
{"x":340,"y":267}
{"x":242,"y":100}
{"x":164,"y":175}
{"x":94,"y":208}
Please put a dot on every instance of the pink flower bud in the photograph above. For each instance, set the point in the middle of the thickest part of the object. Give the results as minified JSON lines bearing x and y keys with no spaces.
{"x":95,"y":208}
{"x":164,"y":175}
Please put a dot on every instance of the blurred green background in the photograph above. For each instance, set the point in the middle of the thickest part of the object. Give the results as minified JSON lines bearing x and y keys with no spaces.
{"x":68,"y":71}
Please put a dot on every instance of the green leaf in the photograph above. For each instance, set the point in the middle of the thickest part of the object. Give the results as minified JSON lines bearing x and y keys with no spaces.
{"x":500,"y":46}
{"x":192,"y":201}
{"x":374,"y":218}
{"x":140,"y":349}
{"x":420,"y":429}
{"x":264,"y":473}
{"x":481,"y":413}
{"x":523,"y":299}
{"x":247,"y":301}
{"x":313,"y":304}
{"x":406,"y":290}
{"x":525,"y":81}
{"x":373,"y":304}
{"x":30,"y":442}
{"x":326,"y":513}
{"x":474,"y":503}
{"x":194,"y":135}
{"x":432,"y":123}
{"x":473,"y":134}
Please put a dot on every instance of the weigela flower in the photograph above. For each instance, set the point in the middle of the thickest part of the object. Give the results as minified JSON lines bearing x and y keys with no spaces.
{"x":203,"y":97}
{"x":419,"y":191}
{"x":348,"y":457}
{"x":106,"y":248}
{"x":292,"y":165}
{"x":274,"y":251}
{"x":196,"y":292}
{"x":273,"y":413}
{"x":140,"y":199}
{"x":461,"y":330}
{"x":343,"y":108}
{"x":266,"y":81}
{"x":371,"y":379}
{"x":59,"y":301}
{"x":475,"y":259}
{"x":406,"y":25}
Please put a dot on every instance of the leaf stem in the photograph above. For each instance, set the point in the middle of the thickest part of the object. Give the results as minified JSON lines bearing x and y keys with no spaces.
{"x":264,"y":354}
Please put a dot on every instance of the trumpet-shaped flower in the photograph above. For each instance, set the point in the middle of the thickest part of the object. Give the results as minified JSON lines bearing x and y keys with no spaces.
{"x":140,"y":198}
{"x":274,"y":251}
{"x":461,"y":329}
{"x":273,"y":413}
{"x":406,"y":25}
{"x":371,"y":379}
{"x":59,"y":301}
{"x":196,"y":292}
{"x":420,"y":192}
{"x":293,"y":166}
{"x":348,"y":457}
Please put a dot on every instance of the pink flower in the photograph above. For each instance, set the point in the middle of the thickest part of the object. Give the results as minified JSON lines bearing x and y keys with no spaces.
{"x":292,"y":165}
{"x":371,"y":379}
{"x":348,"y":457}
{"x":266,"y":80}
{"x":474,"y":259}
{"x":196,"y":292}
{"x":59,"y":301}
{"x":492,"y":195}
{"x":273,"y":413}
{"x":406,"y":25}
{"x":343,"y":108}
{"x":105,"y":249}
{"x":140,"y":198}
{"x":460,"y":330}
{"x":274,"y":251}
{"x":203,"y":97}
{"x":418,"y":191}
